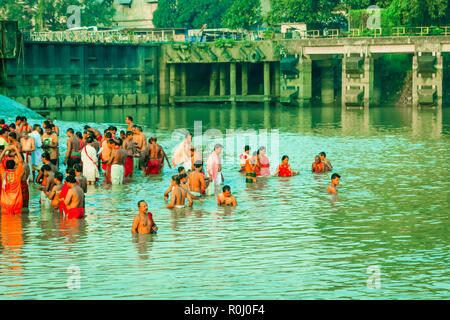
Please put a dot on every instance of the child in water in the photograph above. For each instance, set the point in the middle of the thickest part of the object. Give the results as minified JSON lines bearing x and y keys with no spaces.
{"x":284,"y":169}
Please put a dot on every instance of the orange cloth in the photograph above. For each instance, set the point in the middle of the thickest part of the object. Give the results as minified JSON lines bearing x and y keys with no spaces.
{"x":11,"y":194}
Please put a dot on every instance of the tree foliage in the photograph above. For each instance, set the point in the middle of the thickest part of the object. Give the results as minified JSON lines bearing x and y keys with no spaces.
{"x":190,"y":14}
{"x":243,"y":14}
{"x":314,"y":13}
{"x":42,"y":15}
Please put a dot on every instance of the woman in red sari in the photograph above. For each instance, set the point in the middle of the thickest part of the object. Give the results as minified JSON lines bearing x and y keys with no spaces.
{"x":11,"y":193}
{"x":284,"y":169}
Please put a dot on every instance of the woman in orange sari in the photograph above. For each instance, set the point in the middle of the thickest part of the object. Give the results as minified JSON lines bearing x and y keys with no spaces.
{"x":11,"y":193}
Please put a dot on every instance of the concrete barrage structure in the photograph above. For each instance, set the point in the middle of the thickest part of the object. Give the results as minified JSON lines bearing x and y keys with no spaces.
{"x":50,"y":74}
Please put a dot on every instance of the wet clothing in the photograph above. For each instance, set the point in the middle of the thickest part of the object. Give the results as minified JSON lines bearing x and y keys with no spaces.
{"x":25,"y":193}
{"x":75,"y":213}
{"x":128,"y":167}
{"x":153,"y":166}
{"x":317,"y":168}
{"x":89,"y":158}
{"x":284,"y":170}
{"x":117,"y":174}
{"x":263,"y":170}
{"x":11,"y":193}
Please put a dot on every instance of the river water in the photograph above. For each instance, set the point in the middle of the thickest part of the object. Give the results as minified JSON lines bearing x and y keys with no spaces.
{"x":384,"y":237}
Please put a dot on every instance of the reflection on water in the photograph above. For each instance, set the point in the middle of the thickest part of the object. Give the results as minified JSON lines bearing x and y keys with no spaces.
{"x":287,"y":239}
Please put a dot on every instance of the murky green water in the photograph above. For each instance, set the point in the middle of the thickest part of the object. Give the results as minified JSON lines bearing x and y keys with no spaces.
{"x":287,"y":239}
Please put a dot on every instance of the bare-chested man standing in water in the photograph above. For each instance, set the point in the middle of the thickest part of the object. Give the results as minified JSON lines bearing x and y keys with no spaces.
{"x":178,"y":196}
{"x":82,"y":181}
{"x":197,"y":184}
{"x":156,"y":156}
{"x":143,"y":222}
{"x":28,"y":147}
{"x":117,"y":161}
{"x":141,"y":146}
{"x":130,"y":149}
{"x":225,"y":198}
{"x":73,"y":155}
{"x":74,"y":199}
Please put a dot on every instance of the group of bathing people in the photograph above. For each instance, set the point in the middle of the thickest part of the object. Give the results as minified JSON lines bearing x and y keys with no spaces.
{"x":31,"y":153}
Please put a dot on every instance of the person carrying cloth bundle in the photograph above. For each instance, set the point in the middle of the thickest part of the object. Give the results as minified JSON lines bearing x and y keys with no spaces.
{"x":11,"y":193}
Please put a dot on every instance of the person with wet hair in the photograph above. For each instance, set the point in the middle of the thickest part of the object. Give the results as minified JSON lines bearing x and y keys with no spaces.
{"x":56,"y":191}
{"x":263,"y":167}
{"x":284,"y":168}
{"x":171,"y":187}
{"x":318,"y":166}
{"x":73,"y":154}
{"x":156,"y":156}
{"x":335,"y":179}
{"x":226,"y":198}
{"x":326,"y":162}
{"x":50,"y":144}
{"x":74,"y":200}
{"x":179,"y":195}
{"x":82,"y":181}
{"x":250,"y":168}
{"x":143,"y":222}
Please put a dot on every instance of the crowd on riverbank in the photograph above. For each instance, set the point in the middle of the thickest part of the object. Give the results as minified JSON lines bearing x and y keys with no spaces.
{"x":31,"y":154}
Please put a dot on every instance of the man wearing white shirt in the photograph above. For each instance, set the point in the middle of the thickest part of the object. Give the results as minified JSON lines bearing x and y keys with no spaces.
{"x":36,"y":161}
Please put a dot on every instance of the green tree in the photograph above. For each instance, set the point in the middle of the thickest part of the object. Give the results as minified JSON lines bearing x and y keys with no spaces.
{"x":190,"y":14}
{"x":43,"y":15}
{"x":166,"y":14}
{"x":243,"y":14}
{"x":315,"y":13}
{"x":421,"y":12}
{"x":97,"y":13}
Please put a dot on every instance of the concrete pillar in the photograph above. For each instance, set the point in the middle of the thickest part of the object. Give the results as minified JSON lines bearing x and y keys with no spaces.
{"x":277,"y":80}
{"x":244,"y":78}
{"x":222,"y":79}
{"x":435,"y":81}
{"x":365,"y":82}
{"x":267,"y":81}
{"x":415,"y":94}
{"x":368,"y":80}
{"x":213,"y":79}
{"x":327,"y":84}
{"x":233,"y":79}
{"x":305,"y":90}
{"x":183,"y":80}
{"x":173,"y":84}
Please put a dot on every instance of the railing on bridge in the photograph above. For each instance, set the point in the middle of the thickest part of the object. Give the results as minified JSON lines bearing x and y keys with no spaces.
{"x":374,"y":33}
{"x":119,"y":36}
{"x":108,"y":36}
